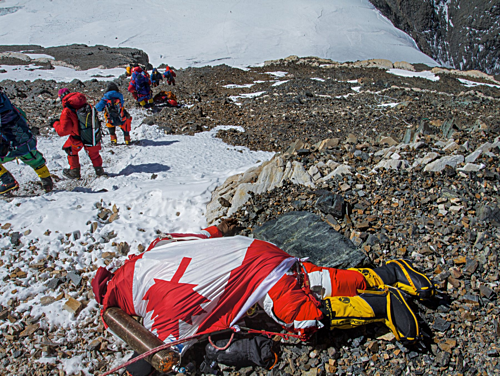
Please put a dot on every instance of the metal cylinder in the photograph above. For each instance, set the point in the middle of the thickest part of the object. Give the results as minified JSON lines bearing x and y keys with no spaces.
{"x":140,"y":339}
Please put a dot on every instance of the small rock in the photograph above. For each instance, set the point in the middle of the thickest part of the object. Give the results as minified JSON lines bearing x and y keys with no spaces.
{"x":486,"y":291}
{"x":441,"y":325}
{"x":94,"y":345}
{"x":103,"y":215}
{"x":53,"y":283}
{"x":73,"y":306}
{"x":15,"y":238}
{"x":123,"y":248}
{"x":373,"y":346}
{"x":75,"y":278}
{"x":443,"y":359}
{"x":471,"y":299}
{"x":76,"y":235}
{"x":460,"y":260}
{"x":113,"y":217}
{"x":29,"y":330}
{"x":493,"y":353}
{"x":471,"y":267}
{"x":47,"y":300}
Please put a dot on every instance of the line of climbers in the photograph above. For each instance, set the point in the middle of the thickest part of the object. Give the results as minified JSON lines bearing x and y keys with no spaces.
{"x":79,"y":121}
{"x":141,"y":83}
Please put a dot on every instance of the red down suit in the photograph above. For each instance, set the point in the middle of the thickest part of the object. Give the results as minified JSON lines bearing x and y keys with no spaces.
{"x":191,"y":284}
{"x":67,"y":125}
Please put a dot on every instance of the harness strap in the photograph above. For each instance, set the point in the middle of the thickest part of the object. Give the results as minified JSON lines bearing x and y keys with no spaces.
{"x":303,"y":278}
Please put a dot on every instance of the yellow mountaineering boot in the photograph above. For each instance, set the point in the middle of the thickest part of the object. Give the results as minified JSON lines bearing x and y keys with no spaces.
{"x":401,"y":274}
{"x":387,"y":306}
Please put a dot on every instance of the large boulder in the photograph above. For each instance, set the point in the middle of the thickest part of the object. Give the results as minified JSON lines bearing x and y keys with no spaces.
{"x":303,"y":234}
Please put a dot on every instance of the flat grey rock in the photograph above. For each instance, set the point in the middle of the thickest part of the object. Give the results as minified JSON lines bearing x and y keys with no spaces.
{"x":304,"y":234}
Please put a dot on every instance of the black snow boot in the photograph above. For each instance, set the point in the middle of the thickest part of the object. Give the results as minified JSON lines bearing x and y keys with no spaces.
{"x":47,"y":184}
{"x":99,"y":171}
{"x":73,"y":173}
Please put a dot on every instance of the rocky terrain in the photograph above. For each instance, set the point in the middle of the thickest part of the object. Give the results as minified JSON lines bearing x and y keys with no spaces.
{"x":400,"y":166}
{"x":459,"y":33}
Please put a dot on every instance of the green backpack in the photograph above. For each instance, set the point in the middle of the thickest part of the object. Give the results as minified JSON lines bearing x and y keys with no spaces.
{"x":89,"y":125}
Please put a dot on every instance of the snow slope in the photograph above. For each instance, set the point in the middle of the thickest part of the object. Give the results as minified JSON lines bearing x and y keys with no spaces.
{"x":162,"y":182}
{"x":198,"y":33}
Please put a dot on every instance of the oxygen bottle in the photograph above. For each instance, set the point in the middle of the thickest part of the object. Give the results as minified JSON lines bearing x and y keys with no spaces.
{"x":140,"y":339}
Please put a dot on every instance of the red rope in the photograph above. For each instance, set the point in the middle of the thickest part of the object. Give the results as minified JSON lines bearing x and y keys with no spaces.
{"x":221,"y":348}
{"x":150,"y":352}
{"x":285,"y":336}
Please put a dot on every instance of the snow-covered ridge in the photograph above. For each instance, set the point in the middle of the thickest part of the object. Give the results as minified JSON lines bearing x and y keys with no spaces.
{"x":199,"y":33}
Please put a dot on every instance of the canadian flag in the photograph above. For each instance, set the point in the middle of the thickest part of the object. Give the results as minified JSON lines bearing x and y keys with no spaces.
{"x":198,"y":286}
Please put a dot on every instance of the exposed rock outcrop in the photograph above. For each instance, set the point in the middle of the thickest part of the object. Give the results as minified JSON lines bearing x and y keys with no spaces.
{"x":460,"y":33}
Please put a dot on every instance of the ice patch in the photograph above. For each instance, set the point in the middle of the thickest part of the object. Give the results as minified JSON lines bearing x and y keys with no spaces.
{"x":404,"y":73}
{"x":474,"y":84}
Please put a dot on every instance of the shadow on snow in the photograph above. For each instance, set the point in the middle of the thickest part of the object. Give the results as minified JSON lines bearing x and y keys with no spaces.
{"x":155,"y":143}
{"x":147,"y":167}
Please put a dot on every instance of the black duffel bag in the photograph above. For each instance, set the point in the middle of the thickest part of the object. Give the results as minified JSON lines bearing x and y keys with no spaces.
{"x":256,"y":351}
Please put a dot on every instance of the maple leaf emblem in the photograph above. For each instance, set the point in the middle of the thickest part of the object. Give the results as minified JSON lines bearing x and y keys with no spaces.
{"x":172,"y":301}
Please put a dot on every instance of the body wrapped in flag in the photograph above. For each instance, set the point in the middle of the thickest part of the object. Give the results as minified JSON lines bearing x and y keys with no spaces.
{"x":187,"y":285}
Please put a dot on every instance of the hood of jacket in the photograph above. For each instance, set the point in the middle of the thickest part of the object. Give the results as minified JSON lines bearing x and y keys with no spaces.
{"x":74,"y":100}
{"x":113,"y":95}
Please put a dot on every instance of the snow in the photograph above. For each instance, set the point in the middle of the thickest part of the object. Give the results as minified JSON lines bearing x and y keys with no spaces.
{"x":235,"y":98}
{"x":60,"y":74}
{"x":391,"y":105}
{"x":38,"y":56}
{"x":404,"y":73}
{"x":278,"y":83}
{"x":199,"y":33}
{"x":469,"y":83}
{"x":233,"y":86}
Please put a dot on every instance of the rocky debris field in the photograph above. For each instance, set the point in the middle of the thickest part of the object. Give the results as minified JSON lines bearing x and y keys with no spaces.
{"x":400,"y":166}
{"x":78,"y":56}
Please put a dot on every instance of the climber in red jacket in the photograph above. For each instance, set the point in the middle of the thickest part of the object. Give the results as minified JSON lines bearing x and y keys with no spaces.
{"x":67,"y":125}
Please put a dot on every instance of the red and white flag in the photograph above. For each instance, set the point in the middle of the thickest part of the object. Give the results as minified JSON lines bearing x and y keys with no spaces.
{"x":199,"y":286}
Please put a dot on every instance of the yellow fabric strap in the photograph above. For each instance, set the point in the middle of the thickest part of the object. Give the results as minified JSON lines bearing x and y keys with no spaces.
{"x":406,"y":273}
{"x":371,"y":277}
{"x":389,"y":322}
{"x":42,"y":172}
{"x":347,"y":312}
{"x":412,"y":290}
{"x":3,"y":170}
